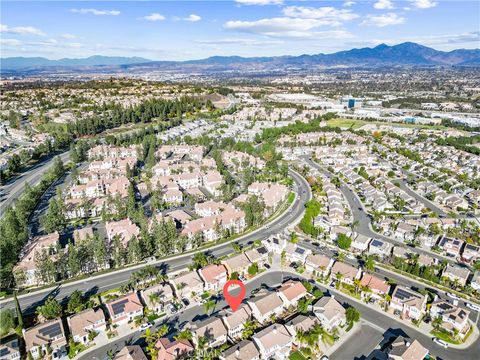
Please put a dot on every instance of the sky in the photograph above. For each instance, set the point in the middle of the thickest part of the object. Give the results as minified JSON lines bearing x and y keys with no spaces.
{"x":184,"y":30}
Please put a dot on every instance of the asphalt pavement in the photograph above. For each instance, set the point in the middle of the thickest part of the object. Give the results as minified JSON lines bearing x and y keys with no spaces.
{"x":100,"y":283}
{"x":384,"y":325}
{"x":14,"y":189}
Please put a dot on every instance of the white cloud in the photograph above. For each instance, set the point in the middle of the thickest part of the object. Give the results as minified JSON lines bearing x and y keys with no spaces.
{"x":68,"y":36}
{"x":284,"y":27}
{"x":154,"y":17}
{"x":75,"y":45}
{"x":191,"y":18}
{"x":259,"y":2}
{"x":96,"y":12}
{"x":10,"y":42}
{"x":349,"y":3}
{"x":332,"y":15}
{"x":424,"y":4}
{"x":383,"y":20}
{"x":21,"y":30}
{"x":383,"y":5}
{"x":240,"y":41}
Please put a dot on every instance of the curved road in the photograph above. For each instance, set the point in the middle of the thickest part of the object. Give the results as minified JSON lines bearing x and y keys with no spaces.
{"x":364,"y":222}
{"x":272,"y":279}
{"x":14,"y":189}
{"x":104,"y":282}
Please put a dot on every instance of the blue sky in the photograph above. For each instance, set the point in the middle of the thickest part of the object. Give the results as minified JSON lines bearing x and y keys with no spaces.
{"x":181,"y":30}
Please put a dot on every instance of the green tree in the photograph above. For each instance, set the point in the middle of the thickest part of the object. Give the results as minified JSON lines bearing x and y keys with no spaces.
{"x":51,"y":309}
{"x":344,"y":241}
{"x":7,"y":321}
{"x":75,"y":302}
{"x":18,"y":311}
{"x":352,"y":315}
{"x":54,"y":219}
{"x":253,"y":269}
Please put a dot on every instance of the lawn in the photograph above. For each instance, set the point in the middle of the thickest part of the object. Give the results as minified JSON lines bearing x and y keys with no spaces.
{"x":445,"y":336}
{"x":297,"y":355}
{"x":355,"y":124}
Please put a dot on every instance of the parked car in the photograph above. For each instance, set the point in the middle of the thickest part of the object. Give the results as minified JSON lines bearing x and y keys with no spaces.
{"x":473,"y":306}
{"x":172,"y":308}
{"x":145,"y":326}
{"x":185,"y":302}
{"x":452,"y":296}
{"x":440,"y":342}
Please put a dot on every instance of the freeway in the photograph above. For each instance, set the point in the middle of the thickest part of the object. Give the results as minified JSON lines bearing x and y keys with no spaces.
{"x":272,"y":278}
{"x":364,"y":224}
{"x":99,"y":283}
{"x":14,"y":189}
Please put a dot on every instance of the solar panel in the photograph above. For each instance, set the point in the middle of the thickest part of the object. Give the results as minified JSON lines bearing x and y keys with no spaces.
{"x":300,"y":251}
{"x":4,"y":352}
{"x":262,"y":250}
{"x":119,"y":307}
{"x":51,"y":331}
{"x":403,"y":294}
{"x":377,"y":243}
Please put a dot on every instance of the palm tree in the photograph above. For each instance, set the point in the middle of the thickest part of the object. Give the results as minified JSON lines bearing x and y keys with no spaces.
{"x":154,"y":298}
{"x":386,"y":301}
{"x":248,"y":329}
{"x":356,"y":284}
{"x":184,"y":335}
{"x":209,"y":306}
{"x":162,"y":331}
{"x":150,"y":339}
{"x":437,"y":322}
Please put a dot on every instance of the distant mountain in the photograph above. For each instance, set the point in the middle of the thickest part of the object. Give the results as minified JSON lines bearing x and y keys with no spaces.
{"x":34,"y":62}
{"x":405,"y":54}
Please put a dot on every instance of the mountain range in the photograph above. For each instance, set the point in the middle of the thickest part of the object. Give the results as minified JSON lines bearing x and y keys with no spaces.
{"x":405,"y":54}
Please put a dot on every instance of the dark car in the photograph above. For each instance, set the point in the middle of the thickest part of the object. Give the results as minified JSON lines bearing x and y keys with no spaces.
{"x":185,"y":302}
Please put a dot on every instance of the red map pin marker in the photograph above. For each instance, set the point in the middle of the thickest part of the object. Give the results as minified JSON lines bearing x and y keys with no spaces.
{"x":234,"y":301}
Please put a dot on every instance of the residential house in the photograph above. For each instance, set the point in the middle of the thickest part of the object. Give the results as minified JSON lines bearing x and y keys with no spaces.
{"x":10,"y":350}
{"x":258,"y":255}
{"x":274,"y":340}
{"x":275,"y":244}
{"x":475,"y":283}
{"x":125,"y":309}
{"x":83,"y":234}
{"x":48,"y":335}
{"x":26,"y":268}
{"x":405,"y":231}
{"x":157,"y":296}
{"x":471,"y":253}
{"x":456,"y":274}
{"x":214,"y":277}
{"x":455,"y":319}
{"x":319,"y":264}
{"x":212,"y":330}
{"x":329,"y":312}
{"x":172,"y":350}
{"x":360,"y":243}
{"x":296,"y":254}
{"x":345,"y":273}
{"x":125,"y":229}
{"x":377,"y":288}
{"x":188,"y":284}
{"x":244,"y":350}
{"x":84,"y":322}
{"x":265,"y":305}
{"x":380,"y":248}
{"x":237,"y":264}
{"x":131,"y":352}
{"x":235,"y":320}
{"x":406,"y":349}
{"x":408,"y":303}
{"x":290,"y":292}
{"x":451,"y":247}
{"x":300,"y":322}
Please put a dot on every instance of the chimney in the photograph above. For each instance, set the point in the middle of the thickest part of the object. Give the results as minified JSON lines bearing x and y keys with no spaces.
{"x":332,"y":296}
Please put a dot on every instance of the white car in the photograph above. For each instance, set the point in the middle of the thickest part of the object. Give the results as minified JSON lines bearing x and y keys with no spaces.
{"x":145,"y":326}
{"x":440,"y":342}
{"x":473,"y":306}
{"x":453,"y":296}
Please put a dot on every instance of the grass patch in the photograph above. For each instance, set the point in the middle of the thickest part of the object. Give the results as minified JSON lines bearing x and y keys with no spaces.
{"x":445,"y":336}
{"x":153,"y":317}
{"x":297,"y":355}
{"x":356,"y":124}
